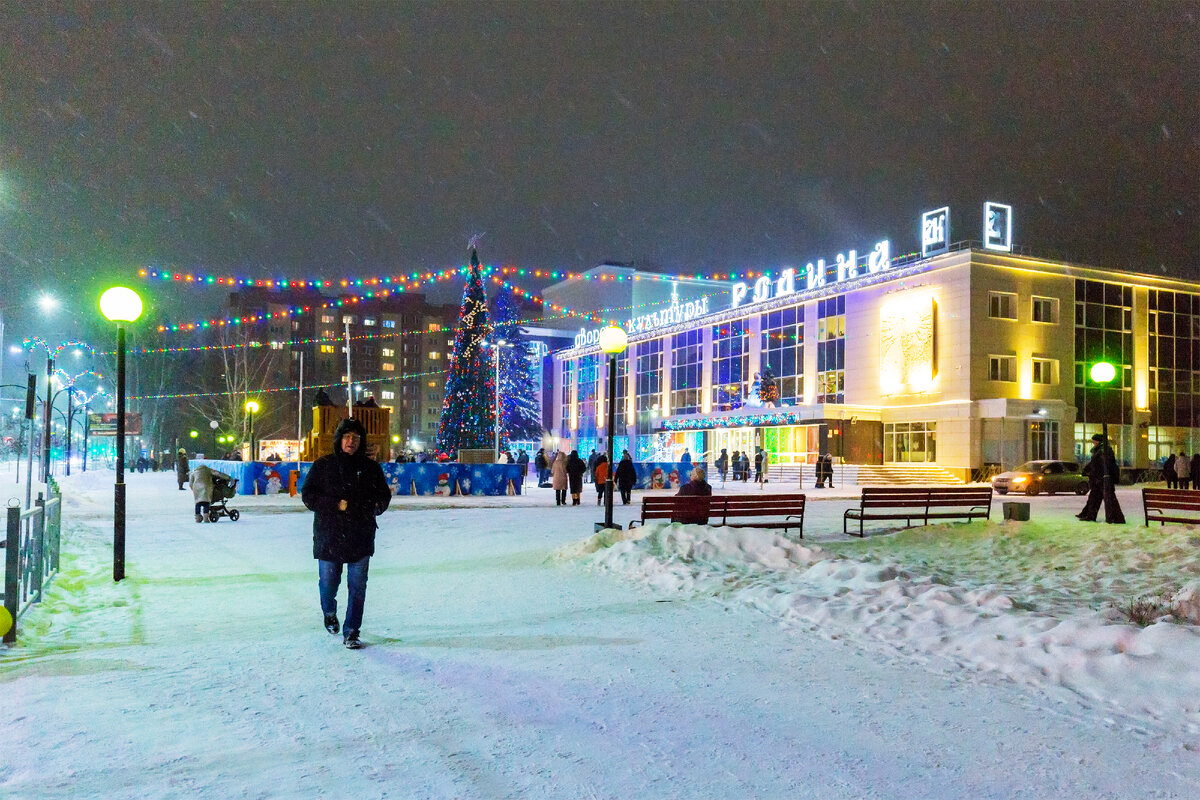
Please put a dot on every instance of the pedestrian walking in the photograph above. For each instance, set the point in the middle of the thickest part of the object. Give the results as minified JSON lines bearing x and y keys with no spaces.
{"x":600,"y":477}
{"x":576,"y":469}
{"x":626,"y":477}
{"x":558,"y":478}
{"x":758,"y":464}
{"x":1183,"y":470}
{"x":1168,"y":472}
{"x":686,"y":459}
{"x":735,"y":465}
{"x":181,"y":468}
{"x":591,"y":463}
{"x":346,"y":491}
{"x":722,"y":464}
{"x":542,"y":465}
{"x":201,"y":481}
{"x":1102,"y":473}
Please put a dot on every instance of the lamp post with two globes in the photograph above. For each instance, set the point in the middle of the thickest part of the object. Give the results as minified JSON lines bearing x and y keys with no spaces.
{"x":120,"y":304}
{"x":613,"y":341}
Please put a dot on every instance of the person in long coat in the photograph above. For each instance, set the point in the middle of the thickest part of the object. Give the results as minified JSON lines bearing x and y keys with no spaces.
{"x":1183,"y":469}
{"x":558,"y":478}
{"x":625,"y":476}
{"x":201,"y":481}
{"x":723,"y":463}
{"x":1168,"y":472}
{"x":745,"y":466}
{"x":575,"y":470}
{"x":181,"y":468}
{"x":345,"y":490}
{"x":1102,"y":473}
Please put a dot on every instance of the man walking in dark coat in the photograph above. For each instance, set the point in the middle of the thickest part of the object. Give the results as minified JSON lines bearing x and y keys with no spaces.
{"x":346,"y":491}
{"x":625,"y":476}
{"x":1102,"y":473}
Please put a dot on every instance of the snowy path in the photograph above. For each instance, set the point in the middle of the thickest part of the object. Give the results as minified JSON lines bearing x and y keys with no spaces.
{"x":495,"y":671}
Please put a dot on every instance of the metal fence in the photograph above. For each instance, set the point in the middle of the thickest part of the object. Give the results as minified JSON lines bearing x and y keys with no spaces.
{"x":31,"y":550}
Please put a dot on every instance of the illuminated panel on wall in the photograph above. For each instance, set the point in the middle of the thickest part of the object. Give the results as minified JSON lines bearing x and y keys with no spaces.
{"x":997,"y":227}
{"x":908,"y":344}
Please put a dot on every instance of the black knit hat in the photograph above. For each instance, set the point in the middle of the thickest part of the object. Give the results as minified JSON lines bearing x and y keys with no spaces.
{"x":348,"y":425}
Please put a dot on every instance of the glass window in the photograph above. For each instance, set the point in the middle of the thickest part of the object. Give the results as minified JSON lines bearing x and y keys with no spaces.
{"x":1002,"y":305}
{"x":1002,"y":368}
{"x":1045,"y":309}
{"x":687,"y":371}
{"x":905,"y":442}
{"x":1043,"y":371}
{"x":782,"y":352}
{"x":730,"y":364}
{"x":648,"y":384}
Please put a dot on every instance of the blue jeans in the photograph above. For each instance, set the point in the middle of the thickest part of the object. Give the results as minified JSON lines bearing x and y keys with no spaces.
{"x":330,"y":573}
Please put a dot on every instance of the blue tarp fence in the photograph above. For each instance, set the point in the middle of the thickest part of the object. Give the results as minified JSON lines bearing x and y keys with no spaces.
{"x":430,"y":478}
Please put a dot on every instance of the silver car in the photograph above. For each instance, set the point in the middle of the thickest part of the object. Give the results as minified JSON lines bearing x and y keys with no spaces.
{"x":1035,"y":477}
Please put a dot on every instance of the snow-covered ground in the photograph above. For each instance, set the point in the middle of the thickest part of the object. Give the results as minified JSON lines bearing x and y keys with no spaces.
{"x":512,"y":654}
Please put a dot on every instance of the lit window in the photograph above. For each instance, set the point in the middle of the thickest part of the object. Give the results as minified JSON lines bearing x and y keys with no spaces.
{"x":1045,"y":309}
{"x":327,"y":318}
{"x":369,"y":322}
{"x":433,"y":326}
{"x":1002,"y":368}
{"x":389,"y":323}
{"x":386,"y":395}
{"x":326,"y":348}
{"x":1043,"y":371}
{"x":388,"y":366}
{"x":433,"y":356}
{"x":347,"y":318}
{"x":387,"y":351}
{"x":1002,"y":305}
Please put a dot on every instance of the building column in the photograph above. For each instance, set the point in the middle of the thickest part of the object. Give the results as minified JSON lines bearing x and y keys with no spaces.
{"x":810,"y":352}
{"x":706,"y":371}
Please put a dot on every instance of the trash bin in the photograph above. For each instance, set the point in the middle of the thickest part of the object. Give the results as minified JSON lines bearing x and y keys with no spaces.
{"x":1016,"y":511}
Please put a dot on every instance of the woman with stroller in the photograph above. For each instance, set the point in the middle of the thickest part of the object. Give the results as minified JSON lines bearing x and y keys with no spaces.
{"x":201,"y":480}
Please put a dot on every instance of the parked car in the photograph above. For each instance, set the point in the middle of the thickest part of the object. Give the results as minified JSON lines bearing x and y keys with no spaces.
{"x":1035,"y":477}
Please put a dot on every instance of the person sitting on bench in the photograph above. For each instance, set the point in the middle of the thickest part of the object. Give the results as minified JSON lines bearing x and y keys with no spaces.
{"x":696,"y":487}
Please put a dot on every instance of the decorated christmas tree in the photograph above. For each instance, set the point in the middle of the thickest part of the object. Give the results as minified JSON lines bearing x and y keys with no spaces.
{"x":467,"y":414}
{"x":768,"y":390}
{"x":520,"y":406}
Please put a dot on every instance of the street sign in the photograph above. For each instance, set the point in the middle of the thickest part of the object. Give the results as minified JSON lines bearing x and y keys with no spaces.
{"x":106,"y":424}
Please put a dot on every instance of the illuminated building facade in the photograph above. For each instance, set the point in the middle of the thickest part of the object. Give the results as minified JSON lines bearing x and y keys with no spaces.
{"x":966,"y":358}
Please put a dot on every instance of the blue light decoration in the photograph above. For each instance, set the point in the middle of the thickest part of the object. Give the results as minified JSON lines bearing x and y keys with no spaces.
{"x":777,"y":417}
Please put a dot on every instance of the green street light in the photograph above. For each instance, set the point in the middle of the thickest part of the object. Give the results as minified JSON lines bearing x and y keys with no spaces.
{"x":251,"y":410}
{"x":120,"y":304}
{"x":193,"y":434}
{"x":1102,"y":372}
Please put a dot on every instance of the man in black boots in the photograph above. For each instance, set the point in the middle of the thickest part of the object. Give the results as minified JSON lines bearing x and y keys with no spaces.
{"x":345,"y":490}
{"x":1102,"y":474}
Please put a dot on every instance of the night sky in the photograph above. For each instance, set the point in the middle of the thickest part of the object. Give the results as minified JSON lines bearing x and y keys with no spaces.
{"x":372,"y":138}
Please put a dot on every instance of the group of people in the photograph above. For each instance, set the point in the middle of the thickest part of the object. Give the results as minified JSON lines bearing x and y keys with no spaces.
{"x":739,"y":463}
{"x":1181,"y":472}
{"x":565,"y":473}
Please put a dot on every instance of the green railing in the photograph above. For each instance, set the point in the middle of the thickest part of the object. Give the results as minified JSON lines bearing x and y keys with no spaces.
{"x":31,"y":554}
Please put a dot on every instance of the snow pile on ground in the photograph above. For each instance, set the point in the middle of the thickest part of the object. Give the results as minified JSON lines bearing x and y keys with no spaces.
{"x":1045,"y":605}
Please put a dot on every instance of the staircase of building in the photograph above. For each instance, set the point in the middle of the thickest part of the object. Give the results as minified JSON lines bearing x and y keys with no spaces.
{"x":788,"y":475}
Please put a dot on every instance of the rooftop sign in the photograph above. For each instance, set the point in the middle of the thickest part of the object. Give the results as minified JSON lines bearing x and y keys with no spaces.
{"x":815,"y":275}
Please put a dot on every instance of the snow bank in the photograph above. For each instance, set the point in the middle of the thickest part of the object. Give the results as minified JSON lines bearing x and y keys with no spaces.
{"x":1081,"y":647}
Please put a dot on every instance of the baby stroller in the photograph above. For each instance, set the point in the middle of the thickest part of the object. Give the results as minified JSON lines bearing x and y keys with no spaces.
{"x":223,"y":490}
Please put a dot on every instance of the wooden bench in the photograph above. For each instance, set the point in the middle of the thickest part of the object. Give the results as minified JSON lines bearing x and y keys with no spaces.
{"x":1171,"y":505}
{"x":919,"y":503}
{"x":706,"y":510}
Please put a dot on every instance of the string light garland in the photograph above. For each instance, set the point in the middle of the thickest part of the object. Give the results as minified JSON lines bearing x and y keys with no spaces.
{"x":280,"y":389}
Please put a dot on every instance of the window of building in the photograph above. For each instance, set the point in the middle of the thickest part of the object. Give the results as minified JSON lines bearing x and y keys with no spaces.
{"x":1044,"y":371}
{"x":568,"y":380}
{"x":1002,"y":305}
{"x":730,"y":364}
{"x":589,"y":388}
{"x":434,"y":356}
{"x":433,"y":326}
{"x":327,"y":348}
{"x":1002,"y":368}
{"x":1043,"y":439}
{"x":687,"y":371}
{"x":327,"y":318}
{"x":648,"y":384}
{"x":389,"y":323}
{"x":908,"y":442}
{"x":1045,"y":309}
{"x":1104,"y":332}
{"x":369,"y":322}
{"x":782,"y":352}
{"x":347,"y":318}
{"x":387,"y":366}
{"x":387,"y":395}
{"x":831,"y":350}
{"x":387,"y":351}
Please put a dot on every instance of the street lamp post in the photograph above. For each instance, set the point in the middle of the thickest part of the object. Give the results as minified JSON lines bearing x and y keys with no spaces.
{"x":251,"y":408}
{"x":1102,"y":373}
{"x":46,"y":415}
{"x":120,"y":305}
{"x":613,"y":341}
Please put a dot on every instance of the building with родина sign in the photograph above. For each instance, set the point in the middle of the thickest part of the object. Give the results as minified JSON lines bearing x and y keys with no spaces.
{"x":972,"y":358}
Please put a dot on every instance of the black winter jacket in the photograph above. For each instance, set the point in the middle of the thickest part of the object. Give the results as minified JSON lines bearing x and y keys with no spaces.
{"x":349,"y":535}
{"x":626,"y":474}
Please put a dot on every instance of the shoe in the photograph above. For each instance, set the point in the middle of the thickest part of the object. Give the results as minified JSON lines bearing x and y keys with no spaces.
{"x":331,"y":623}
{"x":199,"y":518}
{"x":351,"y":641}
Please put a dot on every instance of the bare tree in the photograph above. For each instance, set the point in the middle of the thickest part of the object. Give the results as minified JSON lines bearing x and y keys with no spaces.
{"x":241,"y":368}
